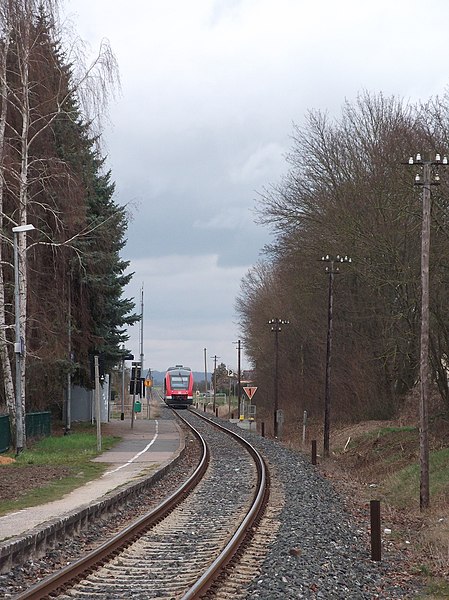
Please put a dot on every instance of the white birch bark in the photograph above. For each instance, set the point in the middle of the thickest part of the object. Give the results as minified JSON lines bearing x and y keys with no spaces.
{"x":4,"y":347}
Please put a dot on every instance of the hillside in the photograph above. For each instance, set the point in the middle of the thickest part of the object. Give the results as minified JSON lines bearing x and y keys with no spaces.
{"x":378,"y":460}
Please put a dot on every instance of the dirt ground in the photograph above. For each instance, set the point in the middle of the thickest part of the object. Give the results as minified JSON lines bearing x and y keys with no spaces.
{"x":16,"y":481}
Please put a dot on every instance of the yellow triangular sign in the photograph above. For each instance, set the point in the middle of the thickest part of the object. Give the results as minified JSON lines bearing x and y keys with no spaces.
{"x":250,"y":391}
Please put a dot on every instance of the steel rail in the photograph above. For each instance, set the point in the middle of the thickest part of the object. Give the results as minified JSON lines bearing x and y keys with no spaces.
{"x":101,"y":554}
{"x":206,"y":581}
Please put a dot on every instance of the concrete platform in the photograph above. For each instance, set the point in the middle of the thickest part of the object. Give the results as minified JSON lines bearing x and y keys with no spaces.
{"x":145,"y":449}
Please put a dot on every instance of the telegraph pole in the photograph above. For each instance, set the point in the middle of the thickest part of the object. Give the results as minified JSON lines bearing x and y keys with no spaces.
{"x":205,"y":372}
{"x":429,"y":177}
{"x":331,"y":271}
{"x":215,"y":379}
{"x":276,"y":327}
{"x":239,"y":377}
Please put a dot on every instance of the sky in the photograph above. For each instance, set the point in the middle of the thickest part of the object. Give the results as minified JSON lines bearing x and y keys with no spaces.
{"x":210,"y":91}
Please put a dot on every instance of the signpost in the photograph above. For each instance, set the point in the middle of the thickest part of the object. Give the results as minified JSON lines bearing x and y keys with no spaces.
{"x":125,"y":357}
{"x":136,"y":372}
{"x":249,"y":391}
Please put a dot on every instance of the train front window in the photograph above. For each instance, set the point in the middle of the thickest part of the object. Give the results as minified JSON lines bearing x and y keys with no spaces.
{"x":179,"y":382}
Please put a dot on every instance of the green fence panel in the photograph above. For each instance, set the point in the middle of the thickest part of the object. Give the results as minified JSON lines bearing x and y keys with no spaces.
{"x":38,"y":424}
{"x":5,"y":433}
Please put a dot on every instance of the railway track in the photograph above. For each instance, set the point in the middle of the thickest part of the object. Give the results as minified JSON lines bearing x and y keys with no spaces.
{"x":180,"y":548}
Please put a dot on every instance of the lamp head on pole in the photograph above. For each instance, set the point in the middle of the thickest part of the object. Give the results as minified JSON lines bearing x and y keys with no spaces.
{"x":21,"y":228}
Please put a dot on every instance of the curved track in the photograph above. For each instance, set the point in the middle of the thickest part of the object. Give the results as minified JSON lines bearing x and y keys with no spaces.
{"x":178,"y":549}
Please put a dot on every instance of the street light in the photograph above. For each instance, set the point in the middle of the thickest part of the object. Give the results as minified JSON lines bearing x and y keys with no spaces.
{"x":331,"y":270}
{"x":428,"y":176}
{"x":19,"y":341}
{"x":276,"y":327}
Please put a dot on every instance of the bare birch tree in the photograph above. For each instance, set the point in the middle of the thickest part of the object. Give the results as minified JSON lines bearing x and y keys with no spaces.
{"x":25,"y":118}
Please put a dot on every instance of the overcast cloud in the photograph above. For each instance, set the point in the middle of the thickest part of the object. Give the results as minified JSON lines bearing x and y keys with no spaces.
{"x":210,"y":90}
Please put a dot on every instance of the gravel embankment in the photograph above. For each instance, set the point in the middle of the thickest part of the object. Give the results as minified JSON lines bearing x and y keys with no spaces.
{"x":320,"y":551}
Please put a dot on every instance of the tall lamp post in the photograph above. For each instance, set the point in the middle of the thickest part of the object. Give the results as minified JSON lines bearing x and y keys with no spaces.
{"x":331,"y":270}
{"x":429,"y":176}
{"x":19,"y":341}
{"x":276,"y":327}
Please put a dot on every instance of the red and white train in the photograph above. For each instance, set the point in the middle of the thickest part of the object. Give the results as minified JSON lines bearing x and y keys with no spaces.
{"x":178,"y":386}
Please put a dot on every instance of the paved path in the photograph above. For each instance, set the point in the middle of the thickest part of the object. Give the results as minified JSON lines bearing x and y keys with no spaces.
{"x":144,"y":449}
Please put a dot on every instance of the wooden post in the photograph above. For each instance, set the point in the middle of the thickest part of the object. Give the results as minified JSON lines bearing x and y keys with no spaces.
{"x":375,"y":530}
{"x":313,"y":452}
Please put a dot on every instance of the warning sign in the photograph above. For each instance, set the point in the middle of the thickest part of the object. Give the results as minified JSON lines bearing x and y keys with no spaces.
{"x":250,"y":391}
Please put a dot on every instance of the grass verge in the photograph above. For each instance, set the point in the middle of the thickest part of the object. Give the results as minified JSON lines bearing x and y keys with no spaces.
{"x":51,"y":468}
{"x":388,"y":459}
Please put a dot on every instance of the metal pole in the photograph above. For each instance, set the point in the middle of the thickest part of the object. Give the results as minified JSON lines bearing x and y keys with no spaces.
{"x":97,"y":402}
{"x":205,"y":372}
{"x":215,"y":381}
{"x":141,"y":332}
{"x":18,"y":352}
{"x":239,"y":379}
{"x":136,"y":369}
{"x":122,"y":414}
{"x":327,"y":395}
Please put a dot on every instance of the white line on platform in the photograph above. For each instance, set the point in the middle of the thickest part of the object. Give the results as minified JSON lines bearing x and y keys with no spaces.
{"x":138,"y":454}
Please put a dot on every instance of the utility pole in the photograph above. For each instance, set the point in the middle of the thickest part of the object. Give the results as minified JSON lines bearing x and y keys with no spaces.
{"x":276,"y":327}
{"x":331,"y":271}
{"x":429,"y":177}
{"x":97,"y":401}
{"x":215,"y":379}
{"x":205,"y":372}
{"x":239,"y":377}
{"x":141,"y":343}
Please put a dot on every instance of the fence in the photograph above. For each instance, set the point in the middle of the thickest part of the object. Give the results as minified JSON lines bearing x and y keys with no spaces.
{"x":36,"y":425}
{"x":5,"y":433}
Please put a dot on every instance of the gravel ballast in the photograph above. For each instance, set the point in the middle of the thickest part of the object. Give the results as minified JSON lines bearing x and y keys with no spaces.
{"x":320,"y":551}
